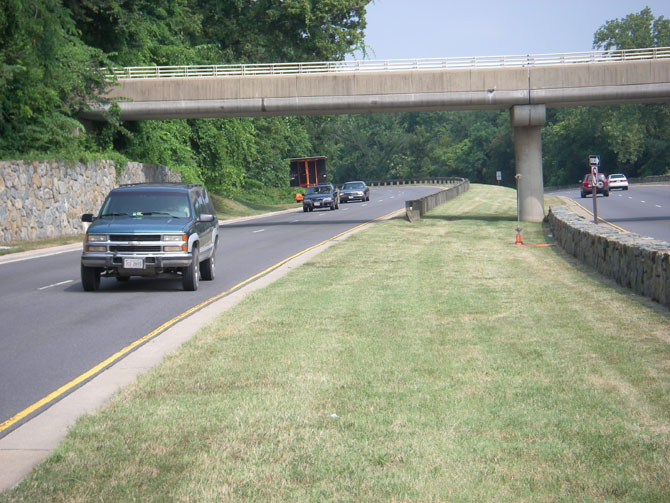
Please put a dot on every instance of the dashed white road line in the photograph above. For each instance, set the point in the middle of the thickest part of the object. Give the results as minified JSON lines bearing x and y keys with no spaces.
{"x":259,"y":230}
{"x":56,"y":284}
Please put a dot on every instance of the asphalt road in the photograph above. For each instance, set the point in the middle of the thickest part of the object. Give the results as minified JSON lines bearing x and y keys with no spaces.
{"x":643,"y":209}
{"x":52,"y":332}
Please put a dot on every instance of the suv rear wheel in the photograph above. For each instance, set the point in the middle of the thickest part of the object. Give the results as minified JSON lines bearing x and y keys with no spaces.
{"x":191,"y":274}
{"x":208,"y":267}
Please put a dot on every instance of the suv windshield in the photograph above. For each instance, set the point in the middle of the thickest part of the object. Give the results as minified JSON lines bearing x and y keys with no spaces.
{"x":146,"y":203}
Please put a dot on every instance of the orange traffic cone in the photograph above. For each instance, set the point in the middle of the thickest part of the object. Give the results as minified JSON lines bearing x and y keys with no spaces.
{"x":518,"y":240}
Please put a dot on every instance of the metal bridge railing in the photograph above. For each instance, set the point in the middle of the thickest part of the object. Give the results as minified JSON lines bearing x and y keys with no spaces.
{"x":393,"y":65}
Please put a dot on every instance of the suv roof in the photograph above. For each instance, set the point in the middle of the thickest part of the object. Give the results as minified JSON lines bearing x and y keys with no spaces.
{"x":166,"y":185}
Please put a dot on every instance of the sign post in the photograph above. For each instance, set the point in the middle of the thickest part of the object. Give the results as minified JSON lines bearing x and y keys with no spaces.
{"x":594,"y":163}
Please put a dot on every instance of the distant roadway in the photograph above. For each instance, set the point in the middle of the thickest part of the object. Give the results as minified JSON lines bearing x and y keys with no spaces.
{"x":51,"y":331}
{"x":643,"y":209}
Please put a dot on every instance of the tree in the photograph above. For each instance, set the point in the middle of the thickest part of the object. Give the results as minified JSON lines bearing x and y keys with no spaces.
{"x":138,"y":32}
{"x":260,"y":31}
{"x":635,"y":31}
{"x":46,"y":77}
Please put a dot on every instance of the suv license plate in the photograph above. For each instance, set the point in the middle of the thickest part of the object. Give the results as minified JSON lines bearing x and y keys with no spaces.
{"x":133,"y":263}
{"x":317,"y":203}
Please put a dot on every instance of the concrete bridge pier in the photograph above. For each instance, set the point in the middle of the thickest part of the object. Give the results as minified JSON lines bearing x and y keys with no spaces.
{"x":527,"y":121}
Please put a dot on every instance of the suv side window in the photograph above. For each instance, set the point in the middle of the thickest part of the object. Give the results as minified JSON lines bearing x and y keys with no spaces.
{"x":197,"y":203}
{"x":209,"y":204}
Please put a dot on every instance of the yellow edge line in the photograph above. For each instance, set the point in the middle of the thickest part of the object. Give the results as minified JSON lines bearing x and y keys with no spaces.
{"x":116,"y":356}
{"x":601,"y":219}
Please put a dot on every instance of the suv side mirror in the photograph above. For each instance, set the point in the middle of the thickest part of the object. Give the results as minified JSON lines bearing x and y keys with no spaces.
{"x":206,"y":217}
{"x":87,"y":217}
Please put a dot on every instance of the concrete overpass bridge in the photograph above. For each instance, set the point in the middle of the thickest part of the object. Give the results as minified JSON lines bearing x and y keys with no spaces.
{"x":524,"y":85}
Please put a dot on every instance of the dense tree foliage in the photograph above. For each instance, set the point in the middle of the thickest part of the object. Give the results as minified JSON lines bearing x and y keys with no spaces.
{"x":635,"y":31}
{"x":45,"y":77}
{"x":51,"y":50}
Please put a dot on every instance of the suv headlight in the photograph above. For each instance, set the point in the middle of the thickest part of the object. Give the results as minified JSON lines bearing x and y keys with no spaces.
{"x":180,"y":242}
{"x":94,"y":239}
{"x":178,"y":238}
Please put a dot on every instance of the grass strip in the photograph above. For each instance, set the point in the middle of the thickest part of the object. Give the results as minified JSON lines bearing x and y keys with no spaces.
{"x":424,"y":362}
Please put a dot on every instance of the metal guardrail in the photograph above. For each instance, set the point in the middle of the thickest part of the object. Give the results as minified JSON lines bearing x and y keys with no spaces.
{"x":393,"y":65}
{"x":417,"y":208}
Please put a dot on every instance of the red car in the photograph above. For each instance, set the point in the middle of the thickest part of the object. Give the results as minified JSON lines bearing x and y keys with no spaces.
{"x":602,"y":187}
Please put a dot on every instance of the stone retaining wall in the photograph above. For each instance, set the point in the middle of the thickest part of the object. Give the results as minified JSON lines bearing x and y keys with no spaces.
{"x":45,"y":199}
{"x":633,"y":261}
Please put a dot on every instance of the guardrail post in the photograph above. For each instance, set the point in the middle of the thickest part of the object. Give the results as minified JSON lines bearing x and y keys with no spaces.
{"x":412,"y":211}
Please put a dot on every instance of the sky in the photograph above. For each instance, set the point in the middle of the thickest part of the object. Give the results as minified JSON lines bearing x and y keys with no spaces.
{"x":415,"y":29}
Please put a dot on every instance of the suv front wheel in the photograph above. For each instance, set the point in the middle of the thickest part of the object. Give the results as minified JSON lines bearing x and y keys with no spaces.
{"x":191,"y":274}
{"x":90,"y":278}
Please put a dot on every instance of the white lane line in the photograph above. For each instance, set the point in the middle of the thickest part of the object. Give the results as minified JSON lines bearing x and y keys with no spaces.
{"x":56,"y":284}
{"x":294,"y":221}
{"x":658,"y":206}
{"x":259,"y":230}
{"x":643,"y":201}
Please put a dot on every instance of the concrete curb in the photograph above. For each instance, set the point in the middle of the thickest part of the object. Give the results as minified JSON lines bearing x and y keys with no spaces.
{"x":31,"y":443}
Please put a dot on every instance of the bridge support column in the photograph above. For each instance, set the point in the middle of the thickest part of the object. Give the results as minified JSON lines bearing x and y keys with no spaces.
{"x":527,"y":121}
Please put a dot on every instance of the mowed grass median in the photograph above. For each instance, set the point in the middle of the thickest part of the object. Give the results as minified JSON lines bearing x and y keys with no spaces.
{"x":425,"y":362}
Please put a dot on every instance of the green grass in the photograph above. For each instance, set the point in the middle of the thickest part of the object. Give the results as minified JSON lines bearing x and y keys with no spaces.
{"x":423,"y":362}
{"x":21,"y":246}
{"x":227,"y":208}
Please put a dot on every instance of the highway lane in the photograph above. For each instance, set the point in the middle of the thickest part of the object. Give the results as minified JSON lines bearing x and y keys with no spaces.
{"x":643,"y":209}
{"x":51,"y":331}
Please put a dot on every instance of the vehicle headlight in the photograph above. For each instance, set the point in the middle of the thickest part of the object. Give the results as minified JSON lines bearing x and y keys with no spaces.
{"x":327,"y":199}
{"x":175,"y":238}
{"x":182,"y":239}
{"x":96,"y":238}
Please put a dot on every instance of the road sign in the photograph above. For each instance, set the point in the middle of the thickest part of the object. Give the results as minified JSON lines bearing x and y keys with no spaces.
{"x":594,"y":162}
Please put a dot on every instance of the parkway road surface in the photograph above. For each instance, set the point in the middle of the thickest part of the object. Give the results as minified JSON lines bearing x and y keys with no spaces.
{"x":643,"y":209}
{"x":52,"y":332}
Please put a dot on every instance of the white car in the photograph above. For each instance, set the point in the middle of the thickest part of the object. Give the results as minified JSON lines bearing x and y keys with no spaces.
{"x":617,"y":181}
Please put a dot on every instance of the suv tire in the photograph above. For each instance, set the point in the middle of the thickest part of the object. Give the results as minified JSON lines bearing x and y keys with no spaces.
{"x":191,"y":274}
{"x":208,"y":267}
{"x":90,"y":278}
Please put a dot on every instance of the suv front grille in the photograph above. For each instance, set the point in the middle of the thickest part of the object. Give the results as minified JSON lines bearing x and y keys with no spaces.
{"x":140,"y":249}
{"x":134,"y":237}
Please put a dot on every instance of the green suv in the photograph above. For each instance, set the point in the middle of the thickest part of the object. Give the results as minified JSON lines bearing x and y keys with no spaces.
{"x":162,"y":230}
